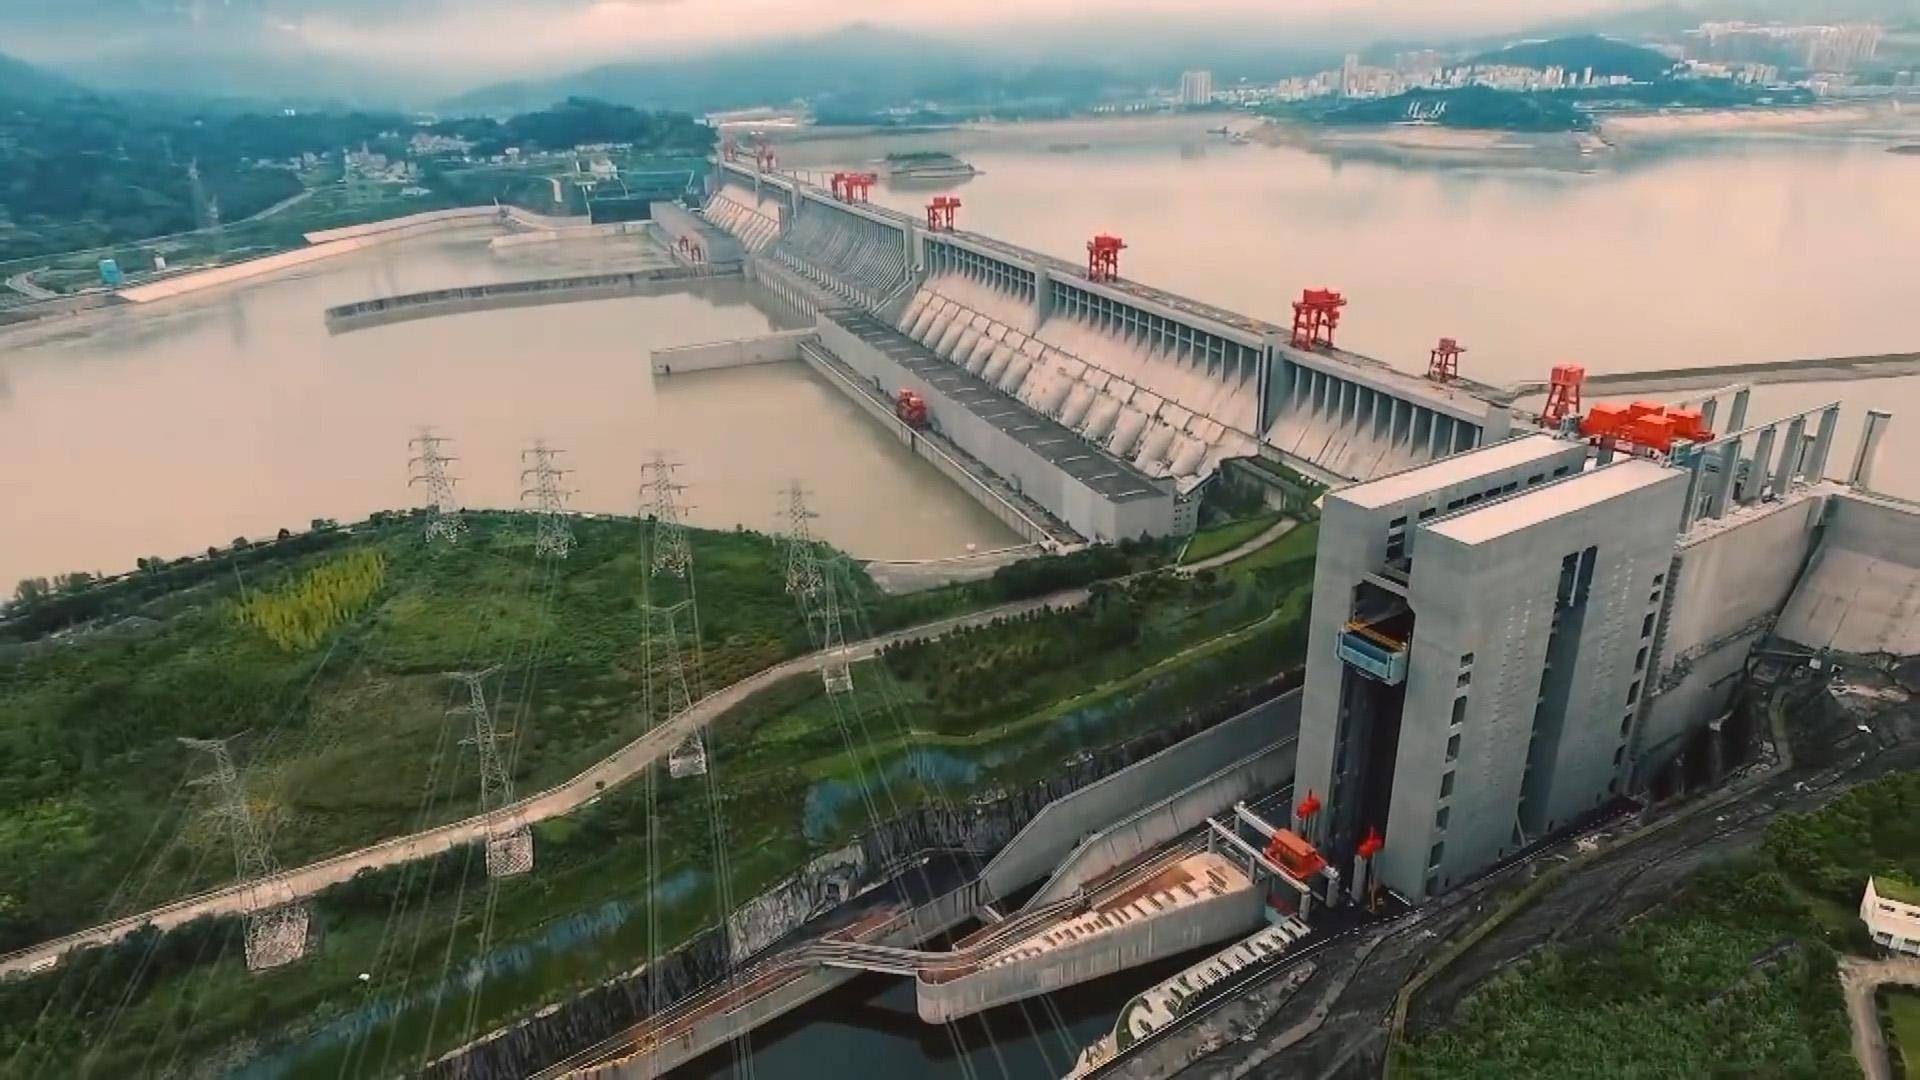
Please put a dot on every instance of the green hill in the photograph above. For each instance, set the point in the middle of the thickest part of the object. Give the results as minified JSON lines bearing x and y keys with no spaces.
{"x":1605,"y":55}
{"x":22,"y":81}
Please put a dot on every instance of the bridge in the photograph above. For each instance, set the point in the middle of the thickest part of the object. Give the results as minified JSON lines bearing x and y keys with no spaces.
{"x":1171,"y":384}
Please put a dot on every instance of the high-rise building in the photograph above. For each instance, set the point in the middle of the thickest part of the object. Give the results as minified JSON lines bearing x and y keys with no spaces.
{"x":1196,"y":88}
{"x":1481,"y":631}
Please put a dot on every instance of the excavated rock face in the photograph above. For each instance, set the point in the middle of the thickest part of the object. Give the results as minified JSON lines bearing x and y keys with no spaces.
{"x":982,"y":826}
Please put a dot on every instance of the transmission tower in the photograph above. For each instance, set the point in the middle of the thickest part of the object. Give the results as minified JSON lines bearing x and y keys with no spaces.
{"x":509,"y":844}
{"x":276,"y":926}
{"x":429,"y":467}
{"x":812,"y":588}
{"x":668,"y":692}
{"x":552,"y":538}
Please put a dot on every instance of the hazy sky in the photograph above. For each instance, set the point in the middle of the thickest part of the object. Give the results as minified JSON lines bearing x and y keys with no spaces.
{"x":515,"y":35}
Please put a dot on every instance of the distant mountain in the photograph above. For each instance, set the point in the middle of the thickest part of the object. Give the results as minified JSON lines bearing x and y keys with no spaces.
{"x":1605,"y":55}
{"x":22,"y":81}
{"x":857,"y":69}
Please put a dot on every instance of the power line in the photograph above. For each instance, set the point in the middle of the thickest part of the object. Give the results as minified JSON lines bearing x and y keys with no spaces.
{"x":276,"y":926}
{"x":429,"y":467}
{"x":808,"y":583}
{"x":552,"y":538}
{"x":509,"y":845}
{"x":668,"y":690}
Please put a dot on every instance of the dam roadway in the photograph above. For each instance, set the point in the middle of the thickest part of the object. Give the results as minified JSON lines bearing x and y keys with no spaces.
{"x":617,"y":768}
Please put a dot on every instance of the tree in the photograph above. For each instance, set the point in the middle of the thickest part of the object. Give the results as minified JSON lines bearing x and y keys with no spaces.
{"x":31,"y":591}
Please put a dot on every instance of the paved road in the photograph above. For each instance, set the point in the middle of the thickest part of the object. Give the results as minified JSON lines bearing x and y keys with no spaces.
{"x":1860,"y":979}
{"x":22,"y":283}
{"x":610,"y":772}
{"x":1274,"y":532}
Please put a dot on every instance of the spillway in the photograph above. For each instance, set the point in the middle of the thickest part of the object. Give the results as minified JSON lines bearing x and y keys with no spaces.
{"x":1170,"y":384}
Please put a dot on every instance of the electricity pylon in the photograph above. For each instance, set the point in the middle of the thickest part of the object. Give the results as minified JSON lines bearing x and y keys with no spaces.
{"x":552,"y":538}
{"x":429,"y":467}
{"x":667,"y":690}
{"x":811,"y":586}
{"x":509,"y":843}
{"x":276,"y":926}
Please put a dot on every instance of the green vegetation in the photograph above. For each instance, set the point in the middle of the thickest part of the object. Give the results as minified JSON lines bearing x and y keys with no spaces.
{"x":300,"y":613}
{"x":1903,"y":1030}
{"x":1735,"y":976}
{"x":951,"y":722}
{"x":1604,"y":55}
{"x":1897,"y":887}
{"x":1221,"y":539}
{"x":79,"y":172}
{"x":1465,"y":107}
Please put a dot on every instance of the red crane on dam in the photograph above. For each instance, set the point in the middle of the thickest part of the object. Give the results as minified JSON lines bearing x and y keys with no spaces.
{"x":1443,"y":365}
{"x":1563,"y":394}
{"x":1315,"y":316}
{"x":853,"y":186}
{"x":940,"y":213}
{"x":1103,"y":257}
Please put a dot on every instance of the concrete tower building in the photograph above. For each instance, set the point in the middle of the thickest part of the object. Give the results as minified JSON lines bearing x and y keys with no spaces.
{"x":1481,"y":633}
{"x":1196,"y":88}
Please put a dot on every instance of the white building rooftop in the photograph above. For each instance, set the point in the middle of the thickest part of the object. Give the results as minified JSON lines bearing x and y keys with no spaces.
{"x":1454,"y":469}
{"x":1532,"y":506}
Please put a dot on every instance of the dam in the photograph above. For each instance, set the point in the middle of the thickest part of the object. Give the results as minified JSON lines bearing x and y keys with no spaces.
{"x":1169,"y":385}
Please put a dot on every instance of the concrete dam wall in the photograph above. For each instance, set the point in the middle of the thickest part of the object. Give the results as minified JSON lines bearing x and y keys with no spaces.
{"x":1172,"y":385}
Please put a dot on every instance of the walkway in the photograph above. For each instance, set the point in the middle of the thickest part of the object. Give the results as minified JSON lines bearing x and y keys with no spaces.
{"x":1273,"y":533}
{"x":1859,"y":980}
{"x":1675,"y":380}
{"x":610,"y":772}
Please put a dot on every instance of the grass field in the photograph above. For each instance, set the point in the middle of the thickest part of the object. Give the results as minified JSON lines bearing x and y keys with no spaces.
{"x":1224,"y":538}
{"x":349,"y":740}
{"x":1903,"y":1022}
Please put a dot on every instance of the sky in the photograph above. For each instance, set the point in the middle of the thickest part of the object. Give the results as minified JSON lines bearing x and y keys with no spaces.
{"x":505,"y":37}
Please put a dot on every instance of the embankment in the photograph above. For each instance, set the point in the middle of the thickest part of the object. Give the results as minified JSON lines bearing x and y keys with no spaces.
{"x":322,"y":245}
{"x":561,"y":290}
{"x":981,"y":826}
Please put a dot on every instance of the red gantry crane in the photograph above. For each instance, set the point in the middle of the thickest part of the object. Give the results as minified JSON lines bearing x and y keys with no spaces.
{"x":1443,"y":366}
{"x":1315,"y":316}
{"x":1563,"y":395}
{"x":940,"y":213}
{"x":1103,"y":257}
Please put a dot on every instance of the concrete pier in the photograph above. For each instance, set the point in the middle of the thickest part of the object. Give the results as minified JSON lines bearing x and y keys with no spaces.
{"x":778,"y":347}
{"x":561,"y":290}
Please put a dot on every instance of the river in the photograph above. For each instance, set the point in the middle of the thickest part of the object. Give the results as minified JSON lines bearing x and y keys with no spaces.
{"x":1666,"y":253}
{"x":158,"y":430}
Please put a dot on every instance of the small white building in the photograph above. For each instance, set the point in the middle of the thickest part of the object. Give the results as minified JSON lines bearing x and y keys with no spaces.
{"x":1891,"y":910}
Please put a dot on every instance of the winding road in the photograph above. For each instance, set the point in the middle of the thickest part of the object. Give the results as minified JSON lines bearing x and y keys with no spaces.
{"x":617,"y":768}
{"x":1860,"y":980}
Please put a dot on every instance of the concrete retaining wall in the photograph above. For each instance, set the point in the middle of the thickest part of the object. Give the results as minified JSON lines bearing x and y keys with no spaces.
{"x":929,"y":448}
{"x":676,"y":222}
{"x":423,"y":305}
{"x":1862,"y":592}
{"x":1162,"y":822}
{"x":1058,"y":828}
{"x":460,"y":216}
{"x":774,"y":348}
{"x":928,"y":920}
{"x":1728,"y":579}
{"x":1140,"y":942}
{"x":571,"y":232}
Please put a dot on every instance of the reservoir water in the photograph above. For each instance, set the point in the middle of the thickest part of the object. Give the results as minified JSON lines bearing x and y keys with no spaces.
{"x":1726,"y":250}
{"x":162,"y":430}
